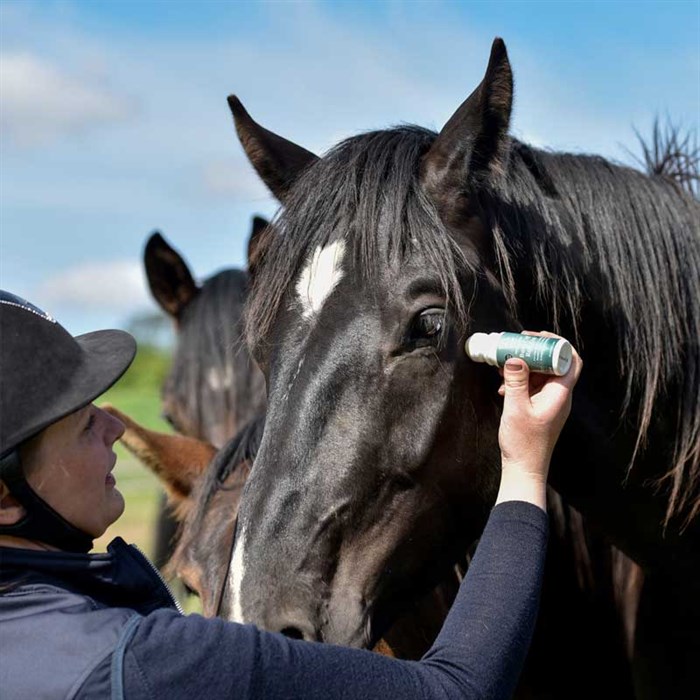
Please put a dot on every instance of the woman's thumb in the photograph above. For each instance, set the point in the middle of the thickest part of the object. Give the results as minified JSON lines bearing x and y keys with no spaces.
{"x":516,"y":378}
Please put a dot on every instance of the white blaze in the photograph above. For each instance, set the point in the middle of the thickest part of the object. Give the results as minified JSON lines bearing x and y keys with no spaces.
{"x":220,"y":378}
{"x":235,"y":576}
{"x":320,"y":276}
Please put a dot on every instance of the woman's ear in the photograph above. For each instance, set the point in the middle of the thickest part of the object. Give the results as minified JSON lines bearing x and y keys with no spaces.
{"x":11,"y":511}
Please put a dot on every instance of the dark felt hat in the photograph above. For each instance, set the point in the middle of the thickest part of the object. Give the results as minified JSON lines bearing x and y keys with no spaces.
{"x":46,"y":373}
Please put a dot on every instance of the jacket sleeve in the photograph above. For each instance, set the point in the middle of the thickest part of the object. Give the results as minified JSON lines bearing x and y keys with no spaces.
{"x":478,"y":654}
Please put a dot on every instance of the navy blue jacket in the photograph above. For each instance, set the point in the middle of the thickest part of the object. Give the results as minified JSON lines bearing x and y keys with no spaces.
{"x":104,"y":626}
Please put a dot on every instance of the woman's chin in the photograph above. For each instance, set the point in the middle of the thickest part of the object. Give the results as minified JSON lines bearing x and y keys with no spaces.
{"x":114,"y":508}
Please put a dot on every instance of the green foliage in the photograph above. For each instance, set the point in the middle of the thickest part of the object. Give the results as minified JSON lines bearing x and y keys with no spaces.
{"x":137,"y":393}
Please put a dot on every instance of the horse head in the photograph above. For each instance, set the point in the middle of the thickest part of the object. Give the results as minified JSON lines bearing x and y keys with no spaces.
{"x":213,"y":388}
{"x":380,"y":459}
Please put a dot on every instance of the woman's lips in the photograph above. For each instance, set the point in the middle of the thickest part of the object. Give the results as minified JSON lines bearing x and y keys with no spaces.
{"x":110,"y":480}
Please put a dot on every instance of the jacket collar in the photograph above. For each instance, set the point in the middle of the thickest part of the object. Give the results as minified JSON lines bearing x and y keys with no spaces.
{"x":122,"y":577}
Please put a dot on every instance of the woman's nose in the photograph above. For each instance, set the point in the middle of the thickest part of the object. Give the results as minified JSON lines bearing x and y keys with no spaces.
{"x":115,"y":428}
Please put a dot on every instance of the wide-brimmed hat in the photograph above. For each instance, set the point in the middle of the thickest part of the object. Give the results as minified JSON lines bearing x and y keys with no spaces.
{"x":46,"y":373}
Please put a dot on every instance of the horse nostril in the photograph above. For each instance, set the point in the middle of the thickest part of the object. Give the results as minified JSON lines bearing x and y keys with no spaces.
{"x":292,"y":633}
{"x":294,"y":627}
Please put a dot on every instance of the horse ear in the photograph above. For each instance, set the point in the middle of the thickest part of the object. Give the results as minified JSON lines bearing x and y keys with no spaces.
{"x":176,"y":460}
{"x":278,"y":162}
{"x":472,"y":145}
{"x":169,"y":278}
{"x":257,"y":238}
{"x":261,"y":235}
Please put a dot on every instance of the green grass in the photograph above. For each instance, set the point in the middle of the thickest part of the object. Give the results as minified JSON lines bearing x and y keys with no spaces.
{"x":138,"y":395}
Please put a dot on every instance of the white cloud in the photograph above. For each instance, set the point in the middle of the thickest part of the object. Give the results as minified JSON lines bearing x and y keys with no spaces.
{"x":41,"y":103}
{"x":115,"y":286}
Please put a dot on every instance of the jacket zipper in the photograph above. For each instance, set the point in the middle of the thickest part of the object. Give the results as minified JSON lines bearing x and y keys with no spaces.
{"x":177,"y":605}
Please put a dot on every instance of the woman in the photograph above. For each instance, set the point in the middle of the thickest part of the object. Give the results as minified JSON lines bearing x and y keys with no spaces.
{"x":79,"y":625}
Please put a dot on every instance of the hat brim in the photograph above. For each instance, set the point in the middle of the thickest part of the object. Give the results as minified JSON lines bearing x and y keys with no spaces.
{"x":106,"y":356}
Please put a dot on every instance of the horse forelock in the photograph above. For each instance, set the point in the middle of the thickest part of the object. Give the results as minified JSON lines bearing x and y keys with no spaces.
{"x":365,"y":191}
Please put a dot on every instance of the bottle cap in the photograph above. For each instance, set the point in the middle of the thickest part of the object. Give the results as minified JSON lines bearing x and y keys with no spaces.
{"x":480,"y":347}
{"x":562,"y":357}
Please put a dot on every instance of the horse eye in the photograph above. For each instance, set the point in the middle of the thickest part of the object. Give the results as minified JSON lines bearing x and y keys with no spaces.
{"x":170,"y":420}
{"x":428,"y":325}
{"x":189,"y":589}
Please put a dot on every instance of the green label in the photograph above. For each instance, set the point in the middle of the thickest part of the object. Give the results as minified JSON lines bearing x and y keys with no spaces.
{"x":536,"y":351}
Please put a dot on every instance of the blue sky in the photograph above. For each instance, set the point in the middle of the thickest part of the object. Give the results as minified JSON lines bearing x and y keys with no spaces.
{"x":114,"y":119}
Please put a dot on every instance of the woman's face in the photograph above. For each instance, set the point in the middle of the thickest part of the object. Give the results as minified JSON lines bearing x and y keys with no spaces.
{"x":70,"y":465}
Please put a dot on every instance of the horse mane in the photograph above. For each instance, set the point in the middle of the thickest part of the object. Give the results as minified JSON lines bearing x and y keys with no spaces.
{"x":561,"y":215}
{"x":243,"y":447}
{"x":211,"y":337}
{"x":238,"y":452}
{"x":671,"y":153}
{"x":568,"y":213}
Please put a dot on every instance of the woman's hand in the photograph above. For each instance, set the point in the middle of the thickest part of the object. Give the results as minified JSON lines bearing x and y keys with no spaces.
{"x":535,"y":408}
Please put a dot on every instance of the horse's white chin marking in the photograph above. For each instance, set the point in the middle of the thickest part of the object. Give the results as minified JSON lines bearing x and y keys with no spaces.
{"x":320,"y":276}
{"x":235,"y":576}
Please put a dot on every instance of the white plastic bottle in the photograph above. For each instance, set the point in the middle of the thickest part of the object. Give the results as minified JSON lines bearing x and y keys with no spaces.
{"x":544,"y":355}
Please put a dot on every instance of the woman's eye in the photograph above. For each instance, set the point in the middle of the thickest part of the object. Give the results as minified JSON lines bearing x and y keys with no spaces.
{"x":90,"y":422}
{"x":428,"y":327}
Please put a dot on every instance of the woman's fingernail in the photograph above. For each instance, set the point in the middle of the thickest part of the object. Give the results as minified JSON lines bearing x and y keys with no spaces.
{"x":514,"y":365}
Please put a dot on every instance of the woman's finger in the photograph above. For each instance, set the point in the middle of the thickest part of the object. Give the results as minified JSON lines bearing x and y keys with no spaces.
{"x":543,"y":334}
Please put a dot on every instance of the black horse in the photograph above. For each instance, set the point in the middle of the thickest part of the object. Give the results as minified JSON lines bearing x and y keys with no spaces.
{"x":213,"y":387}
{"x":379,"y":461}
{"x":581,"y":586}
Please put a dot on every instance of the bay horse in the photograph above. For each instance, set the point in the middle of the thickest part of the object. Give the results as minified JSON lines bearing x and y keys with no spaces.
{"x":379,"y":462}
